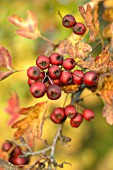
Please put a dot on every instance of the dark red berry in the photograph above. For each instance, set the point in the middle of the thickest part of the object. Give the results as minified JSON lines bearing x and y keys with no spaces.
{"x":54,"y":72}
{"x":43,"y":62}
{"x":33,"y":72}
{"x":88,"y":114}
{"x":76,"y":121}
{"x":70,"y":111}
{"x":68,"y":21}
{"x":97,"y":58}
{"x":31,"y":81}
{"x":78,"y":77}
{"x":58,"y":115}
{"x":69,"y":63}
{"x":6,"y":146}
{"x":66,"y":77}
{"x":56,"y":59}
{"x":53,"y":92}
{"x":38,"y":89}
{"x":90,"y":78}
{"x":16,"y":151}
{"x":19,"y":160}
{"x":41,"y":76}
{"x":79,"y":28}
{"x":56,"y":81}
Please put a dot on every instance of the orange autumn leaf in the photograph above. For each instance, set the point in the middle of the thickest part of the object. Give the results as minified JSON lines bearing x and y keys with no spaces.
{"x":70,"y":88}
{"x":107,"y":113}
{"x":30,"y":127}
{"x":28,"y":27}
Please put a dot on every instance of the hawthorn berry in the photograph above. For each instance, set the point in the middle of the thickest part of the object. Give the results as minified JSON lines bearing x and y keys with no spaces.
{"x":33,"y":72}
{"x":56,"y":81}
{"x":76,"y":121}
{"x":58,"y":115}
{"x":66,"y":77}
{"x":56,"y":59}
{"x":53,"y":92}
{"x":30,"y":81}
{"x":69,"y":63}
{"x":16,"y":151}
{"x":54,"y":72}
{"x":70,"y":111}
{"x":78,"y":77}
{"x":68,"y":21}
{"x":90,"y":78}
{"x":43,"y":62}
{"x":88,"y":114}
{"x":79,"y":28}
{"x":7,"y":146}
{"x":19,"y":160}
{"x":38,"y":89}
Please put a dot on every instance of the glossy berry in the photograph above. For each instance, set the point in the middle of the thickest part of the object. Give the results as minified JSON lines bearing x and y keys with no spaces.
{"x":56,"y":81}
{"x":43,"y":62}
{"x":53,"y":92}
{"x":54,"y":72}
{"x":33,"y":72}
{"x":31,"y":81}
{"x":38,"y":89}
{"x":41,"y":76}
{"x":70,"y":111}
{"x":58,"y":115}
{"x":79,"y":28}
{"x":69,"y":63}
{"x":76,"y":121}
{"x":90,"y":78}
{"x":19,"y":160}
{"x":68,"y":21}
{"x":78,"y":77}
{"x":66,"y":77}
{"x":16,"y":151}
{"x":88,"y":114}
{"x":6,"y":146}
{"x":56,"y":59}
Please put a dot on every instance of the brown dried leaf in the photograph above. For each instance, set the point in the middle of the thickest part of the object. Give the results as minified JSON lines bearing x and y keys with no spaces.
{"x":6,"y":68}
{"x":28,"y":27}
{"x":107,"y":113}
{"x":108,"y":14}
{"x":107,"y":33}
{"x":31,"y":126}
{"x":91,"y":21}
{"x":7,"y":165}
{"x":70,"y":88}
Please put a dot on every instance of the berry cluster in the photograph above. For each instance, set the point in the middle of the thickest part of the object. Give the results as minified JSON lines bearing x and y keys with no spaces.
{"x":15,"y":154}
{"x":53,"y":72}
{"x":69,"y":21}
{"x":59,"y":114}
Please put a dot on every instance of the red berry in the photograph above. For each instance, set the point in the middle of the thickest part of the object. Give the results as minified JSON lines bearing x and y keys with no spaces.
{"x":70,"y":111}
{"x":88,"y":114}
{"x":69,"y":63}
{"x":54,"y":72}
{"x":58,"y":115}
{"x":16,"y":151}
{"x":79,"y":28}
{"x":31,"y":81}
{"x":56,"y":81}
{"x":90,"y":78}
{"x":33,"y":72}
{"x":53,"y":92}
{"x":66,"y":77}
{"x":68,"y":21}
{"x":56,"y":59}
{"x":6,"y":146}
{"x":78,"y":77}
{"x":97,"y":58}
{"x":43,"y":62}
{"x":19,"y":160}
{"x":76,"y":121}
{"x":38,"y":89}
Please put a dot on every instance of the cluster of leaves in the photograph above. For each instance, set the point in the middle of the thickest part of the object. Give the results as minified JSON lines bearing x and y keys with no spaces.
{"x":30,"y":127}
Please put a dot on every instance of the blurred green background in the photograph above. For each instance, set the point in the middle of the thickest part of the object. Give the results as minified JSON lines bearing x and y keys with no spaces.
{"x":91,"y":147}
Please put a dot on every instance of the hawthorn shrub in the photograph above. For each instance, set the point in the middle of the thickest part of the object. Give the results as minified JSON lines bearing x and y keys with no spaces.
{"x":66,"y":69}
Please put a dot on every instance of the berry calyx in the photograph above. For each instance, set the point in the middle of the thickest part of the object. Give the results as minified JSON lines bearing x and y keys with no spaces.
{"x":76,"y":121}
{"x":54,"y":72}
{"x":33,"y":72}
{"x":78,"y":77}
{"x":58,"y":115}
{"x":79,"y":28}
{"x":43,"y":62}
{"x":6,"y":146}
{"x":88,"y":114}
{"x":56,"y":59}
{"x":38,"y":89}
{"x":53,"y":92}
{"x":69,"y":63}
{"x":90,"y":78}
{"x":66,"y":77}
{"x":68,"y":21}
{"x":70,"y":111}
